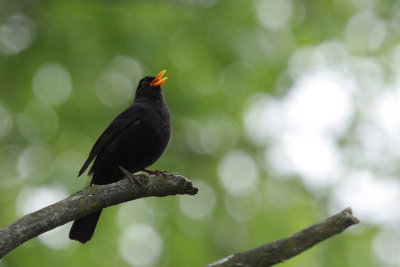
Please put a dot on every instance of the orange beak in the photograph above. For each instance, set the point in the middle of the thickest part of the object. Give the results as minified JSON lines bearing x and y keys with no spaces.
{"x":157,"y":80}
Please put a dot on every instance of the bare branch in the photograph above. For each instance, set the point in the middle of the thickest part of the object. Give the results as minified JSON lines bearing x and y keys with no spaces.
{"x":101,"y":196}
{"x":92,"y":199}
{"x":291,"y":246}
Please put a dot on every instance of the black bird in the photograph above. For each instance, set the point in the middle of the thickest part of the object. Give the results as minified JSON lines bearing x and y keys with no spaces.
{"x":132,"y":142}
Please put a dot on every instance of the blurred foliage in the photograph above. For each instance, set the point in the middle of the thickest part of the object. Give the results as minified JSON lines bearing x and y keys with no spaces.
{"x":67,"y":68}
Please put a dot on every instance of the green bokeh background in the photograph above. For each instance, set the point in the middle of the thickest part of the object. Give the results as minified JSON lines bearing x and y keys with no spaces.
{"x":218,"y":56}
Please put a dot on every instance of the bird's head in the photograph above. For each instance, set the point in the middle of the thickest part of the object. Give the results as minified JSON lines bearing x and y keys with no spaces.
{"x":151,"y":86}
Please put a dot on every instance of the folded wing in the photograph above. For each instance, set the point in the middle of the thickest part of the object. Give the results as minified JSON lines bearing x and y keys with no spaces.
{"x":124,"y":120}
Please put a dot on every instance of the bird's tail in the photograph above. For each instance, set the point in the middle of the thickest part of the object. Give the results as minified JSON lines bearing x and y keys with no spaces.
{"x":82,"y":229}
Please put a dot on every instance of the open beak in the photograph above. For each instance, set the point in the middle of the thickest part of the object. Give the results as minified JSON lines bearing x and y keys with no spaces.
{"x":159,"y":80}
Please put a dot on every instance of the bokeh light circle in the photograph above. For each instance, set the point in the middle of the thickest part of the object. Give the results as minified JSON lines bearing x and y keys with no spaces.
{"x":140,"y":245}
{"x":201,"y":206}
{"x":16,"y":34}
{"x":52,"y":84}
{"x":114,"y":89}
{"x":35,"y":162}
{"x":238,"y":173}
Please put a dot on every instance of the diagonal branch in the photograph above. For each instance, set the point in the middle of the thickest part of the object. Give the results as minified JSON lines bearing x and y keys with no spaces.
{"x":291,"y":246}
{"x":92,"y":199}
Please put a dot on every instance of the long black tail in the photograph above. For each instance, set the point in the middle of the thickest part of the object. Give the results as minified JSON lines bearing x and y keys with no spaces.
{"x":82,"y":229}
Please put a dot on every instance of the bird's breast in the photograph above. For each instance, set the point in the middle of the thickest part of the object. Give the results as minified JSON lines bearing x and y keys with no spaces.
{"x":146,"y":141}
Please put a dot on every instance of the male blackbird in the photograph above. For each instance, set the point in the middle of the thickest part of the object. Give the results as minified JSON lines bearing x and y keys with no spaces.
{"x":132,"y":142}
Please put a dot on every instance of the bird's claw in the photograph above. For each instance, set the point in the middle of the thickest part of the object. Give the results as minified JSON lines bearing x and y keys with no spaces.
{"x":132,"y":178}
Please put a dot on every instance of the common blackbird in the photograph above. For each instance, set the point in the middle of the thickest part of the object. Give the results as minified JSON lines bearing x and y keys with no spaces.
{"x":132,"y":142}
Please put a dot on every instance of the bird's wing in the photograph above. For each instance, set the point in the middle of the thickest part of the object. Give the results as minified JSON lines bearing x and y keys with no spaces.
{"x":122,"y":121}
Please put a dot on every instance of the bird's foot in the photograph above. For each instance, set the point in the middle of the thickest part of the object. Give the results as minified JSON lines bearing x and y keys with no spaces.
{"x":157,"y":172}
{"x":132,"y":178}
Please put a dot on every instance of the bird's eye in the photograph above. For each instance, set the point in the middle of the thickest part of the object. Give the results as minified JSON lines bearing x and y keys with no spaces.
{"x":145,"y":83}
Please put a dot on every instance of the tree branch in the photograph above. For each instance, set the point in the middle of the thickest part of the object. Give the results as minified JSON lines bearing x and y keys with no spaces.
{"x":291,"y":246}
{"x":98,"y":197}
{"x":92,"y":199}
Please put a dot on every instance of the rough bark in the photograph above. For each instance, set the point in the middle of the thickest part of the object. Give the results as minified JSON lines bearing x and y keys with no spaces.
{"x":284,"y":249}
{"x":92,"y":199}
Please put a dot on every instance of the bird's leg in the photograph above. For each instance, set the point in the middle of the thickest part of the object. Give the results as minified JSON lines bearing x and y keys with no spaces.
{"x":130,"y":176}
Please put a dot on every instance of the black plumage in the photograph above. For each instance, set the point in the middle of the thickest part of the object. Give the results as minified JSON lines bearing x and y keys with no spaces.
{"x":133,"y":141}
